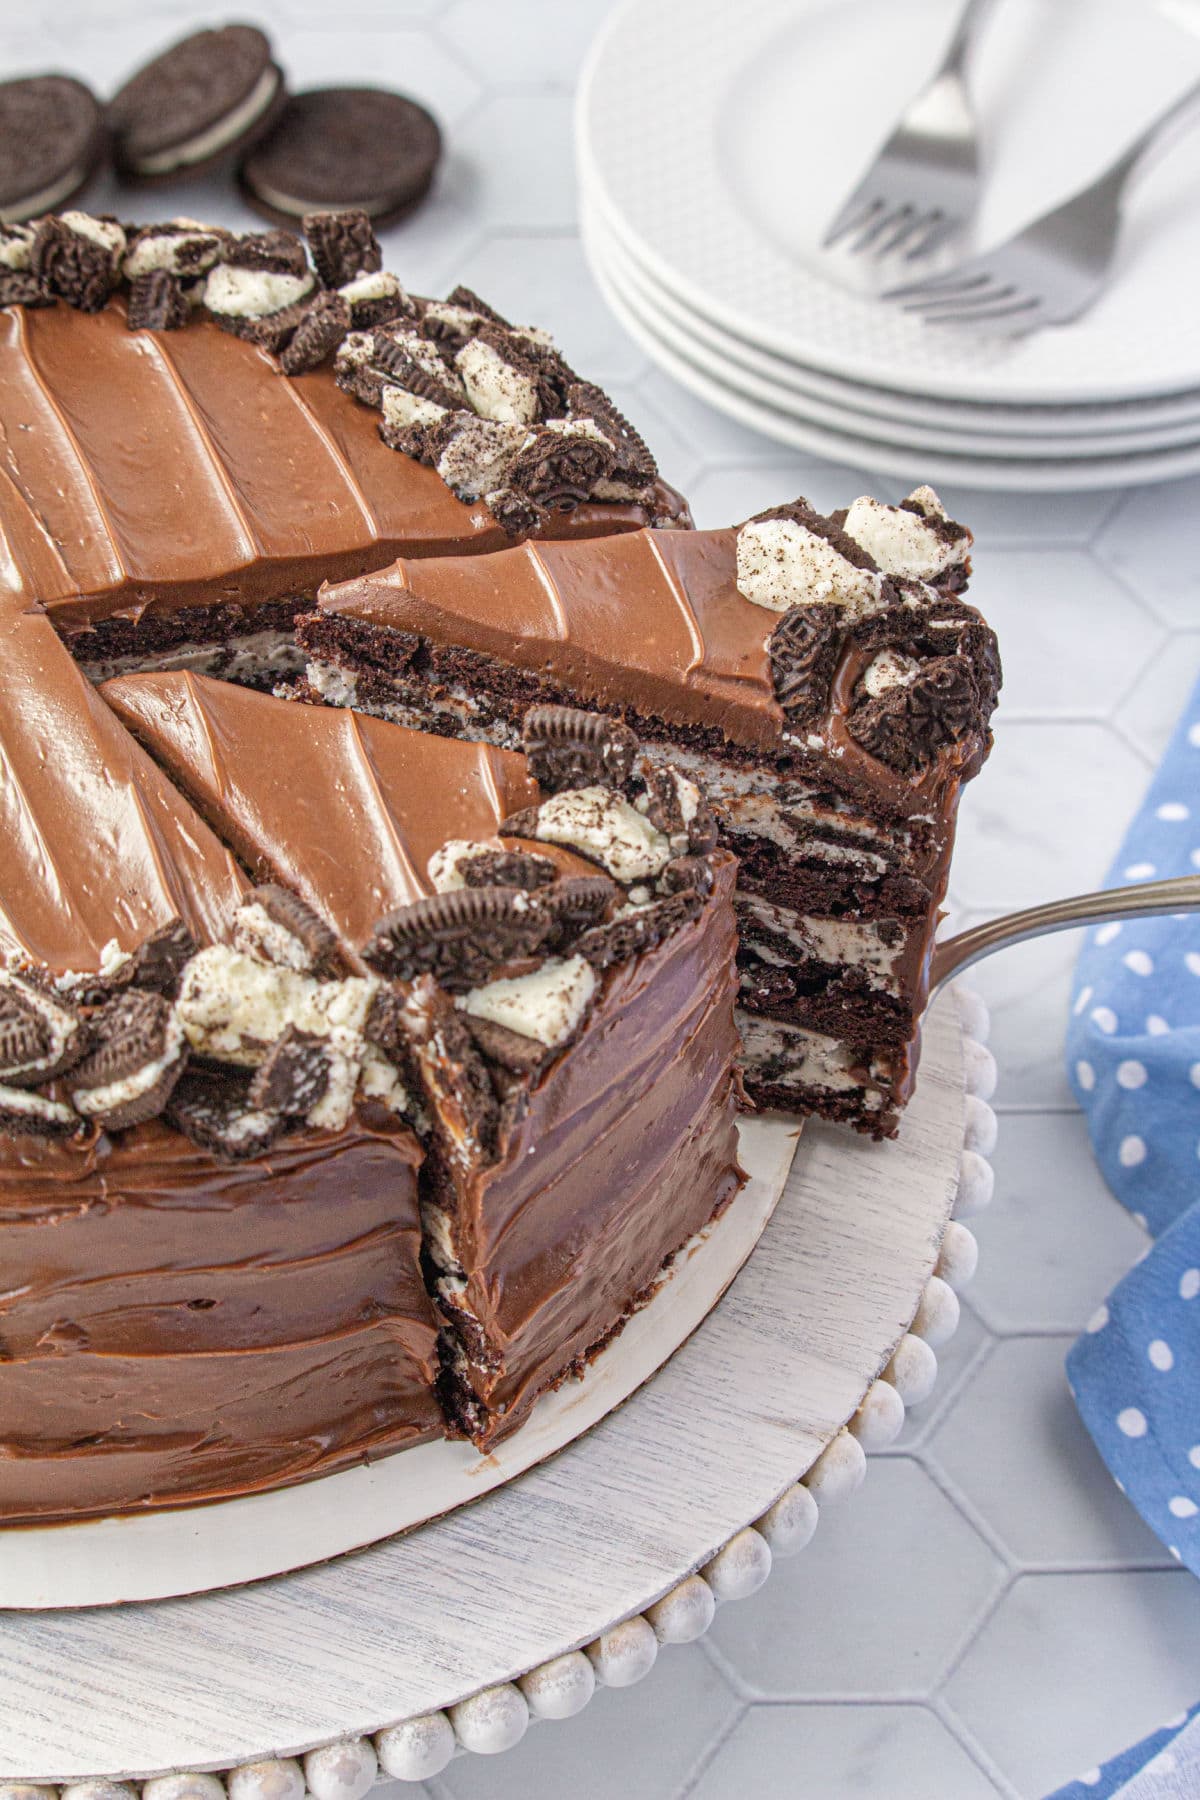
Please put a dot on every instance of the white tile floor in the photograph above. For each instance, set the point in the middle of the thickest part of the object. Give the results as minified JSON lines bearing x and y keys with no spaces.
{"x":988,"y":1616}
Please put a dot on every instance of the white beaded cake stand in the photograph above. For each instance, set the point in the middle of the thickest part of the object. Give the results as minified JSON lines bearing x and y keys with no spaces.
{"x":454,"y":1637}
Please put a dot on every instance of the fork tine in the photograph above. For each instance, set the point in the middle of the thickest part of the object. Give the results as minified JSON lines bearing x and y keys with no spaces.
{"x":938,"y":228}
{"x":1019,"y":308}
{"x":859,"y":208}
{"x":975,"y":299}
{"x":888,"y":219}
{"x":952,"y":289}
{"x":905,"y":228}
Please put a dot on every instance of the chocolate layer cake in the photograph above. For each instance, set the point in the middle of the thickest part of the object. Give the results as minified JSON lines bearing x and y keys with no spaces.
{"x":268,"y":1200}
{"x":822,"y":680}
{"x":200,"y":428}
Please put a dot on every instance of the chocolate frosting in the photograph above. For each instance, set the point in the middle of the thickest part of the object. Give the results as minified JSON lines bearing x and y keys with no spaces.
{"x":633,"y":1137}
{"x":342,"y":808}
{"x":172,"y":469}
{"x":176,"y":1328}
{"x":97,"y":843}
{"x":649,"y":624}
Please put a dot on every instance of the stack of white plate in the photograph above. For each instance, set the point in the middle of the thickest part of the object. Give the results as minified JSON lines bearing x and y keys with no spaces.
{"x":716,"y":138}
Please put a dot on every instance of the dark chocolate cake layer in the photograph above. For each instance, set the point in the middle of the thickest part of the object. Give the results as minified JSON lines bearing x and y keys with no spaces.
{"x":831,"y":706}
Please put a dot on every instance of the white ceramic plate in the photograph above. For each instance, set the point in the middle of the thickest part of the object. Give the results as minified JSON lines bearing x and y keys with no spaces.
{"x":677,"y":331}
{"x":191,"y":1550}
{"x":1166,"y":411}
{"x":867,"y":452}
{"x":725,"y":136}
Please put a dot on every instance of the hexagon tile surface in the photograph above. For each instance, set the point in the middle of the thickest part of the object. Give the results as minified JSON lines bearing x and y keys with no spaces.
{"x":987,"y":1616}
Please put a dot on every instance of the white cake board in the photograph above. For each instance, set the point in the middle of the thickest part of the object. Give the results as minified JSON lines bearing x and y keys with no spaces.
{"x":546,"y":1562}
{"x":191,"y":1550}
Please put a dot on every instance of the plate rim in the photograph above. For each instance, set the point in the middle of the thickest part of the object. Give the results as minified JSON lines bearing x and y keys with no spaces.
{"x":979,"y":385}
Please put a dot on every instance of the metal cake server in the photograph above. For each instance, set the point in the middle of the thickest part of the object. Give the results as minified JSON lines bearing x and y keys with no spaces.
{"x":1178,"y":895}
{"x":920,"y":192}
{"x":1052,"y":271}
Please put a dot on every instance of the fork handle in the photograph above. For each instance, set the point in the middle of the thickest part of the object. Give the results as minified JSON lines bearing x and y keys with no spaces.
{"x":1180,"y":894}
{"x":971,"y":20}
{"x":1159,"y":136}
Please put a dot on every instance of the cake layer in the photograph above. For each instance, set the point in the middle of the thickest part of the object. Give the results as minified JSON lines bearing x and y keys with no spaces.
{"x":829,"y":709}
{"x":100,"y":850}
{"x":175,"y":1328}
{"x":341,"y":807}
{"x":164,"y":470}
{"x":633,"y":1138}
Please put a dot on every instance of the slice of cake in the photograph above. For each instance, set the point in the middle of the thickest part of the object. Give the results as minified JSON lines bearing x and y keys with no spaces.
{"x":200,"y":428}
{"x":398,"y":1153}
{"x":822,"y":680}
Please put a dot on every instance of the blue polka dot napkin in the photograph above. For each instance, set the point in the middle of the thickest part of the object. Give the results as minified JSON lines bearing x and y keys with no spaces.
{"x":1133,"y":1050}
{"x":1133,"y":1054}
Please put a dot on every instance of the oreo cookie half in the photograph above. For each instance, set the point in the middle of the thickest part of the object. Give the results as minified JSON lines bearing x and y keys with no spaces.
{"x":52,"y":140}
{"x":337,"y":149}
{"x":210,"y":94}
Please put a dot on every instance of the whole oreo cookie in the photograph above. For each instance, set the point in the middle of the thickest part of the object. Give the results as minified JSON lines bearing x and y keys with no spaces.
{"x":52,"y":141}
{"x":337,"y":149}
{"x":210,"y":94}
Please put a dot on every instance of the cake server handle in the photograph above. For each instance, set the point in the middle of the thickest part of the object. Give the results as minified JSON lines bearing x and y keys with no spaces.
{"x":1179,"y":895}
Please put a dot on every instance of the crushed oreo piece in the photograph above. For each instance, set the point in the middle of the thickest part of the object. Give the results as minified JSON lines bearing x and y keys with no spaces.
{"x":393,"y":358}
{"x":342,"y":245}
{"x":295,"y":1075}
{"x":513,"y":511}
{"x":513,"y":1051}
{"x":804,"y":649}
{"x":459,"y":937}
{"x":157,"y":302}
{"x":158,"y":961}
{"x":270,"y":331}
{"x":664,"y":803}
{"x":507,"y":868}
{"x":281,"y":928}
{"x":566,"y":747}
{"x":558,"y":470}
{"x":24,"y":1114}
{"x":180,"y":247}
{"x":587,"y":401}
{"x":377,"y":299}
{"x":40,"y":1037}
{"x":907,"y":725}
{"x":138,"y":1055}
{"x":18,"y":287}
{"x":82,"y":267}
{"x":703,"y":831}
{"x":384,"y":1023}
{"x":325,"y":323}
{"x":575,"y":903}
{"x":469,"y":301}
{"x":684,"y":872}
{"x":16,"y":246}
{"x":214,"y":1110}
{"x":636,"y":932}
{"x":270,"y":252}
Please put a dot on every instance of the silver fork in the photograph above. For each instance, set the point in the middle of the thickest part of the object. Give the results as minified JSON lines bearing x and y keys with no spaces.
{"x":1052,"y":271}
{"x":919,"y":193}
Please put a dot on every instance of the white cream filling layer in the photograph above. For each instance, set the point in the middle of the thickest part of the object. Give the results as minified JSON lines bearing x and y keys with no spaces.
{"x":853,"y":943}
{"x":814,"y":1060}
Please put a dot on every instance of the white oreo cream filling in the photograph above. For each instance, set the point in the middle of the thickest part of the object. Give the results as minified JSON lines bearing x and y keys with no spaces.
{"x":888,"y":670}
{"x":602,"y":826}
{"x":400,"y":408}
{"x":166,"y":250}
{"x":374,"y":284}
{"x":35,"y":1106}
{"x":495,"y":389}
{"x":257,"y":934}
{"x":97,"y":1101}
{"x":253,"y":293}
{"x":906,"y":543}
{"x":547,"y":1005}
{"x":478,"y":457}
{"x":16,"y":246}
{"x":781,"y":564}
{"x":104,"y":233}
{"x":233,"y":1007}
